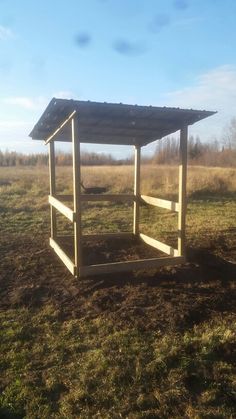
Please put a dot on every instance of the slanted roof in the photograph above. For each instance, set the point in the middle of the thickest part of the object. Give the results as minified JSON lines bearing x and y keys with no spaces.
{"x":112,"y":123}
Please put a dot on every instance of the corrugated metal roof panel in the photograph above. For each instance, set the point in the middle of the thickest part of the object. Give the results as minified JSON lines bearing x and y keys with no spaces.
{"x":111,"y":123}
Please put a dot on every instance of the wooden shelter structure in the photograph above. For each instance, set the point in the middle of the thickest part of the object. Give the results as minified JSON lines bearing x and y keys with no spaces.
{"x":119,"y":124}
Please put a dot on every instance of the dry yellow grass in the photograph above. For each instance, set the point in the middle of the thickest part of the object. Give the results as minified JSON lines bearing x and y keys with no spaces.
{"x":161,"y":180}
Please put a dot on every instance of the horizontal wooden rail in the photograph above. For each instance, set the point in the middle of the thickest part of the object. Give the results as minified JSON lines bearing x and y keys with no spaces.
{"x":63,"y":209}
{"x":107,"y":197}
{"x":101,"y":236}
{"x":99,"y":197}
{"x":64,"y":197}
{"x":162,"y":203}
{"x":159,"y":245}
{"x":60,"y":127}
{"x":62,"y":255}
{"x":130,"y":265}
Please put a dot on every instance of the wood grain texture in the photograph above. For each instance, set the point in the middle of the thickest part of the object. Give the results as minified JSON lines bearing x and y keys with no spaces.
{"x":159,"y":245}
{"x":63,"y":256}
{"x":182,"y":190}
{"x":162,"y":203}
{"x":76,"y":191}
{"x":136,"y":189}
{"x":63,"y":209}
{"x":132,"y":265}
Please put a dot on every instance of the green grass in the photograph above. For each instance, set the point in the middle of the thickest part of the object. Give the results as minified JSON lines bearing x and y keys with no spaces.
{"x":157,"y":345}
{"x":81,"y":368}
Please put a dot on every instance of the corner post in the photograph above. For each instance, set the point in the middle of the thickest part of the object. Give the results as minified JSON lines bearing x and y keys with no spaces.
{"x":182,"y":190}
{"x":76,"y":193}
{"x":136,"y":189}
{"x":52,"y":180}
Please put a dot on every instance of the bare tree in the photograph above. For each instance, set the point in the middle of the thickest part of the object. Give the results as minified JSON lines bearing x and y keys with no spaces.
{"x":229,"y":137}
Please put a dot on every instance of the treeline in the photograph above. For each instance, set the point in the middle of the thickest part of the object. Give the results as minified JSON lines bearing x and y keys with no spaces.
{"x":199,"y":153}
{"x":62,"y":159}
{"x":166,"y":152}
{"x":214,"y":153}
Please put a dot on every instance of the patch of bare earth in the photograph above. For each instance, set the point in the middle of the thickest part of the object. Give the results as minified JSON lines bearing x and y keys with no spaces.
{"x":173,"y":298}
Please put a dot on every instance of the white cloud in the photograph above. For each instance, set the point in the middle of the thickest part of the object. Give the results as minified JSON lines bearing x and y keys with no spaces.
{"x":64,"y":94}
{"x":14,"y":135}
{"x":5,"y":33}
{"x":26,"y":102}
{"x":214,"y":90}
{"x":36,"y":103}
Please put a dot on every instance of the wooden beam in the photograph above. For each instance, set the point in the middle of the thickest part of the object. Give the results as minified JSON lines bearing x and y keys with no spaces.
{"x":162,"y":203}
{"x":59,"y":128}
{"x":182,"y":190}
{"x":52,"y":180}
{"x":108,"y":236}
{"x":63,"y":209}
{"x":130,"y":265}
{"x":99,"y":197}
{"x":76,"y":191}
{"x":63,"y":256}
{"x":107,"y":197}
{"x":159,"y":245}
{"x":136,"y":189}
{"x":62,"y":198}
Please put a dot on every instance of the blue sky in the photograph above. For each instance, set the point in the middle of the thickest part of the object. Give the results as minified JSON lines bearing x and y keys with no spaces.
{"x":154,"y":52}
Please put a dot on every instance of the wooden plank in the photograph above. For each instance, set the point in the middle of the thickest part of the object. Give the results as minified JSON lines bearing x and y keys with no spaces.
{"x":136,"y":189}
{"x":130,"y":265}
{"x":62,"y":255}
{"x":64,"y":197}
{"x":162,"y":203}
{"x":182,"y":190}
{"x":76,"y":191}
{"x":107,"y":197}
{"x":159,"y":245}
{"x":102,"y":236}
{"x":52,"y":181}
{"x":98,"y":197}
{"x":59,"y":128}
{"x":63,"y":209}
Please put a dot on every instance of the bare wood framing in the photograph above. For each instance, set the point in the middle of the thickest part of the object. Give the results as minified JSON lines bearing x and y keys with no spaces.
{"x":130,"y":265}
{"x":64,"y":197}
{"x":63,"y":256}
{"x":159,"y":245}
{"x":52,"y":180}
{"x":60,"y":127}
{"x":108,"y":197}
{"x":76,"y":190}
{"x":136,"y":189}
{"x":162,"y":203}
{"x":99,"y":197}
{"x":182,"y":190}
{"x":63,"y":209}
{"x":109,"y":235}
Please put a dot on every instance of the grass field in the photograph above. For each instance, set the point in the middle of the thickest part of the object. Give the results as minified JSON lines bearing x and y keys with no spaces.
{"x":157,"y":344}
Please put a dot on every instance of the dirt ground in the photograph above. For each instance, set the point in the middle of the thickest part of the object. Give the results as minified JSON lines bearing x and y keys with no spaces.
{"x":169,"y":298}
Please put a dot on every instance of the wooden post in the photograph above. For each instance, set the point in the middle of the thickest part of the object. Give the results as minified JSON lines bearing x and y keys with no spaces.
{"x":52,"y":180}
{"x":136,"y":189}
{"x":76,"y":191}
{"x":182,"y":190}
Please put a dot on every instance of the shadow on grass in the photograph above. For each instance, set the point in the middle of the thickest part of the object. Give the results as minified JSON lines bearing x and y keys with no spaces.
{"x":6,"y":413}
{"x":209,"y":195}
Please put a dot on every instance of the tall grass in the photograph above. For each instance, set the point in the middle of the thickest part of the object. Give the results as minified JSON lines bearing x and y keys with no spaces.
{"x":155,"y":179}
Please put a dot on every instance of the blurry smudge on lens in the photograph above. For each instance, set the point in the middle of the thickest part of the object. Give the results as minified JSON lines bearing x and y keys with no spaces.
{"x":83,"y":39}
{"x":125,"y":47}
{"x":159,"y":22}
